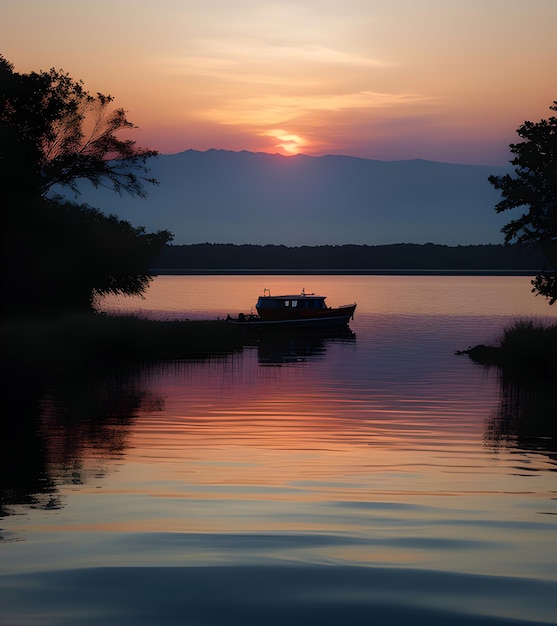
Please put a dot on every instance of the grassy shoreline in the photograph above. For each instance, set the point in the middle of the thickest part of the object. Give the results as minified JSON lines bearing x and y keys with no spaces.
{"x":79,"y":341}
{"x":65,"y":343}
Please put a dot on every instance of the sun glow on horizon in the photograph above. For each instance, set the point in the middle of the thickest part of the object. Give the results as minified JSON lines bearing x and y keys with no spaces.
{"x":289,"y":143}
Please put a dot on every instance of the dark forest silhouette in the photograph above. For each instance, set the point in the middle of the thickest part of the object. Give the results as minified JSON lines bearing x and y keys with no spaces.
{"x":403,"y":256}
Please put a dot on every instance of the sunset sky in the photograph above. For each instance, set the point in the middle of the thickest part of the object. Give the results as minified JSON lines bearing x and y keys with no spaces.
{"x":435,"y":79}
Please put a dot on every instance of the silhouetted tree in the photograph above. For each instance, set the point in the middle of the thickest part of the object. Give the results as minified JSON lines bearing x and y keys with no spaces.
{"x":78,"y":253}
{"x":58,"y":254}
{"x":67,"y":134}
{"x":534,"y":186}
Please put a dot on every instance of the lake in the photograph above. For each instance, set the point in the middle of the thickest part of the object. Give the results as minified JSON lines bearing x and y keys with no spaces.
{"x":362,"y":477}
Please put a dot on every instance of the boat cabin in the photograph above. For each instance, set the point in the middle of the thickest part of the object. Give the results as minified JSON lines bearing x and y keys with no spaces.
{"x":297,"y":302}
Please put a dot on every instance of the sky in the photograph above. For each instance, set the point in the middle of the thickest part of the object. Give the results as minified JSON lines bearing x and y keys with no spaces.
{"x":445,"y":80}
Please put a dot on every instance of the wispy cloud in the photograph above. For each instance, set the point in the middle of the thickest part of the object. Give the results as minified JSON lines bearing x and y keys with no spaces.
{"x":252,"y":61}
{"x":266,"y":85}
{"x":273,"y":110}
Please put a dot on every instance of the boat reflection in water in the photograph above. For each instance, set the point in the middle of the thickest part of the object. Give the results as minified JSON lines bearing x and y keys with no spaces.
{"x":280,"y":346}
{"x":301,"y":310}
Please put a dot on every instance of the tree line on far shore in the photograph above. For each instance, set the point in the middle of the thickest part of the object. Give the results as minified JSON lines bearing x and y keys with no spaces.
{"x":402,"y":256}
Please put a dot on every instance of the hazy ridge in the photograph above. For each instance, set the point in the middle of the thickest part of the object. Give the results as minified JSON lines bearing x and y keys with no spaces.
{"x":221,"y":196}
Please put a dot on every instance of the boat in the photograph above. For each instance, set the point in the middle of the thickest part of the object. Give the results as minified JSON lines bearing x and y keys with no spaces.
{"x":304,"y":309}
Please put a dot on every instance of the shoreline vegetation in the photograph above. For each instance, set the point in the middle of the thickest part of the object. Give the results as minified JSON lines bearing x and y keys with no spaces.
{"x":525,"y":356}
{"x":56,"y":344}
{"x":526,"y":350}
{"x":50,"y":346}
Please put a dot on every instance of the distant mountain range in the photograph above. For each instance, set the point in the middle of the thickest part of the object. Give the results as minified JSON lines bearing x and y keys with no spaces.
{"x":220,"y":196}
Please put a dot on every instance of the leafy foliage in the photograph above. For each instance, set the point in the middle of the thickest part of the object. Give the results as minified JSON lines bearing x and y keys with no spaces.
{"x":70,"y":134}
{"x":534,"y":186}
{"x":58,"y":254}
{"x":100,"y":254}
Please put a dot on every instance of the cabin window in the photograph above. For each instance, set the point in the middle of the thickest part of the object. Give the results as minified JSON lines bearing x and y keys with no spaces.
{"x":294,"y":303}
{"x":287,"y":303}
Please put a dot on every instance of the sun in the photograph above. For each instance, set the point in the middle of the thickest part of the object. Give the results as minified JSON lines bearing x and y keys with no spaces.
{"x":289,"y":143}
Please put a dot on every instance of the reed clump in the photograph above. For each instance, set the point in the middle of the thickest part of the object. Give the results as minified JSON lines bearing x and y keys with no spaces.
{"x":527,"y":347}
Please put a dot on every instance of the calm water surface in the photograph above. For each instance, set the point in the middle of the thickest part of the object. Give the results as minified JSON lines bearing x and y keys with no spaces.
{"x":371,"y":477}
